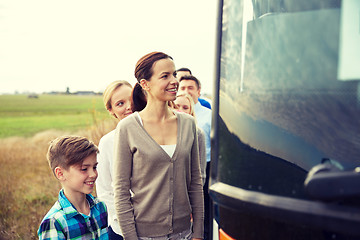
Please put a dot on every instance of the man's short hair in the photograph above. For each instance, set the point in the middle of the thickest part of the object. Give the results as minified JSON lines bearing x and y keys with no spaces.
{"x":191,"y":77}
{"x":184,"y":70}
{"x":66,"y":151}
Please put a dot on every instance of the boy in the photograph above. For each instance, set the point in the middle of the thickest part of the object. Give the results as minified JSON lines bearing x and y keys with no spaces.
{"x":77,"y":214}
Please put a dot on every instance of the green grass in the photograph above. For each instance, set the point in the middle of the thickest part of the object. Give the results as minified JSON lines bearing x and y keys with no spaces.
{"x":28,"y":188}
{"x":23,"y":116}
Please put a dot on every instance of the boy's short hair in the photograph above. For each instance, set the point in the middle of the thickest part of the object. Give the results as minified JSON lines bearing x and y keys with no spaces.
{"x":66,"y":151}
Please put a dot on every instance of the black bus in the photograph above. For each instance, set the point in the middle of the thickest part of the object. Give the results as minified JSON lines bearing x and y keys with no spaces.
{"x":286,"y":120}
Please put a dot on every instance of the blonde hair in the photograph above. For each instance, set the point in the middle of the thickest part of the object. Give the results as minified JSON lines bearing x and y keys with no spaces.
{"x":66,"y":151}
{"x":191,"y":101}
{"x":172,"y":105}
{"x":109,"y":92}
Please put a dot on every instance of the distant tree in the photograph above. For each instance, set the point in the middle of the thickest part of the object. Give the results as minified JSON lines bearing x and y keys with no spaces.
{"x":67,"y":90}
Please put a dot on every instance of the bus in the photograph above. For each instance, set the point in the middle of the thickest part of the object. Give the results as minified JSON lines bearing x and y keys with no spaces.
{"x":285,"y":157}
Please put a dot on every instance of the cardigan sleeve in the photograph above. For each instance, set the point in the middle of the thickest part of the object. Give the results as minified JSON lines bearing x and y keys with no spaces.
{"x":196,"y":189}
{"x":122,"y":175}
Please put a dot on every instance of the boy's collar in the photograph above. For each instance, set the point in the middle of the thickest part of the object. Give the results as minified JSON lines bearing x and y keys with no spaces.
{"x":68,"y":208}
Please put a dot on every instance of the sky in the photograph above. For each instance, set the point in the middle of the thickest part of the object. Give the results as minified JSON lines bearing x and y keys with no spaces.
{"x":49,"y":45}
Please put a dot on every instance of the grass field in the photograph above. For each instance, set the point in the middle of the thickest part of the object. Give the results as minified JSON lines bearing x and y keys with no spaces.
{"x":23,"y":116}
{"x":28,"y":188}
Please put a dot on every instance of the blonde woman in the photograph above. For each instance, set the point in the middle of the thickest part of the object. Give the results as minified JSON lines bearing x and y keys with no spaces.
{"x":185,"y":103}
{"x":117,"y":102}
{"x":157,"y":180}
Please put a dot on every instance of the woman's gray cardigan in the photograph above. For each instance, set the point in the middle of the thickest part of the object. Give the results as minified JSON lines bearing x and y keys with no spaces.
{"x":155,"y":194}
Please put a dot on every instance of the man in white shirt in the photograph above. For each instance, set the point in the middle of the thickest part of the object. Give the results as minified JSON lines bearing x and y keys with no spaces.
{"x":191,"y":85}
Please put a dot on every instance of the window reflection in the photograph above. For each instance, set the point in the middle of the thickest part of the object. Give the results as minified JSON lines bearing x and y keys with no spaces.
{"x":282,"y":107}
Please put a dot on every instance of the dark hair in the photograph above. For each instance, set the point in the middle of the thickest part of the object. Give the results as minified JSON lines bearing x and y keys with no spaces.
{"x":184,"y":70}
{"x":66,"y":151}
{"x":193,"y":78}
{"x":144,"y":70}
{"x":138,"y":98}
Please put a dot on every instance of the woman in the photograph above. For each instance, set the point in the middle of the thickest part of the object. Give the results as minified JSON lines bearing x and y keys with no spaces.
{"x":185,"y":103}
{"x":157,"y":181}
{"x":117,"y":102}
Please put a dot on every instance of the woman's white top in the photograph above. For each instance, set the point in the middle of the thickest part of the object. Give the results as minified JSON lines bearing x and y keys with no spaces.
{"x":104,"y":182}
{"x":169,"y":149}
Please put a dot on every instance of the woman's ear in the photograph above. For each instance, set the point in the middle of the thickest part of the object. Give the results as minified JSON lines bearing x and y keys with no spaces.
{"x":144,"y":84}
{"x":59,"y":173}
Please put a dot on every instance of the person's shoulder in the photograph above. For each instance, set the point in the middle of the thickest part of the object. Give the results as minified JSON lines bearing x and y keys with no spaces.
{"x":184,"y":116}
{"x":205,"y":109}
{"x":107,"y":137}
{"x":204,"y":103}
{"x":129,"y":120}
{"x":200,"y":107}
{"x":55,"y":214}
{"x":55,"y":222}
{"x":127,"y":123}
{"x":52,"y":223}
{"x":186,"y":119}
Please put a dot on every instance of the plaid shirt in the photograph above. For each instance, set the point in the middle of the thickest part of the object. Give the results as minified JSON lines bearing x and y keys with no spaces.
{"x":63,"y":221}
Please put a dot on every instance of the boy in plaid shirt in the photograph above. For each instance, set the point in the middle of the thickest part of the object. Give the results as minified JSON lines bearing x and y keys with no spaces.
{"x":77,"y":214}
